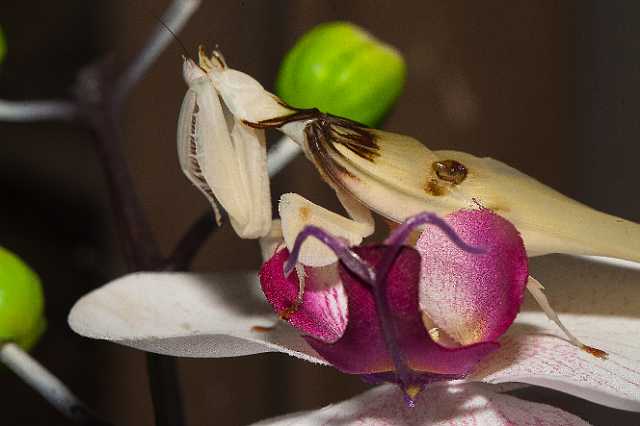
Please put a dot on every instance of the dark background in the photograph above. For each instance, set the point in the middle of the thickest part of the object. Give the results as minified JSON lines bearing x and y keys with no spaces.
{"x":550,"y":87}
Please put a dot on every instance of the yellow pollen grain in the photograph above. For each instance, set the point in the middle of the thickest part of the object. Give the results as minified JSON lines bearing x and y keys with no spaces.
{"x":413,"y":391}
{"x":435,"y":334}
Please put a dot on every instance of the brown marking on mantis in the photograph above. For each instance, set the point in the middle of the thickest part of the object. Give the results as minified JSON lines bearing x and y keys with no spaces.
{"x":433,"y":187}
{"x":450,"y":171}
{"x":305,"y":214}
{"x":196,"y":169}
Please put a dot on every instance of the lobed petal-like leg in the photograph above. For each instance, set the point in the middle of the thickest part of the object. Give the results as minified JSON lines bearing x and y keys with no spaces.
{"x":536,"y":290}
{"x":296,"y":212}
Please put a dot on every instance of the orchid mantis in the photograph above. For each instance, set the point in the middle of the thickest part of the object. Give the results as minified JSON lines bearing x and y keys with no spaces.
{"x":218,"y":152}
{"x":222,"y":151}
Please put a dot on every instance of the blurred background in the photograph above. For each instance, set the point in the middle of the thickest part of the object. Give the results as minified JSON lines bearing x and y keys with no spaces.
{"x":549,"y":87}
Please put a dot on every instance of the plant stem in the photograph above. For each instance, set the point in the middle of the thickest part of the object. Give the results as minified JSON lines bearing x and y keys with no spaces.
{"x":165,"y":389}
{"x":191,"y":242}
{"x":140,"y":248}
{"x":47,"y":385}
{"x":30,"y":111}
{"x":173,"y":20}
{"x":281,"y":154}
{"x":98,"y":96}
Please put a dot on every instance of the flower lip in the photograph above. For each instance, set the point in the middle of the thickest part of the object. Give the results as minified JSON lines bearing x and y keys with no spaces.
{"x":473,"y":298}
{"x":381,"y":283}
{"x":362,"y":349}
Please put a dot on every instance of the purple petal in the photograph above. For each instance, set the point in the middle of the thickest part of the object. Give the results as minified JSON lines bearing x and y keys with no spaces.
{"x":473,"y":297}
{"x":323,"y":311}
{"x":362,"y":349}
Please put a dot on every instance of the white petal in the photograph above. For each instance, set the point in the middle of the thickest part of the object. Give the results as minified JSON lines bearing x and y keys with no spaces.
{"x":469,"y":404}
{"x":181,"y":314}
{"x":600,"y":304}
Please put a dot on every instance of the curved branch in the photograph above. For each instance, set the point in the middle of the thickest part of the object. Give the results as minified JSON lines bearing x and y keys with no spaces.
{"x":281,"y":154}
{"x":191,"y":243}
{"x":23,"y":111}
{"x":171,"y":22}
{"x":47,"y":385}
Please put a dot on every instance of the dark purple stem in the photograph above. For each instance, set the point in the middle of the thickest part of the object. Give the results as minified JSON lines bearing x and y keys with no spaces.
{"x":93,"y":92}
{"x":191,"y":243}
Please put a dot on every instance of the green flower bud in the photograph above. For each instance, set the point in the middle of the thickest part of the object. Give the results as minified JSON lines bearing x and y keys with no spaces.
{"x":21,"y":302}
{"x":3,"y":46}
{"x":341,"y":69}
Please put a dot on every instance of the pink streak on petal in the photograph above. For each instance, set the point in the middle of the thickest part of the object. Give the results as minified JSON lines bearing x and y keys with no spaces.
{"x":323,"y":312}
{"x":473,"y":297}
{"x":362,"y":350}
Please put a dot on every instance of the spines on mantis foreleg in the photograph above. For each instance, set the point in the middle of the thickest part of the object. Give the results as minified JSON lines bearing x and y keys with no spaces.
{"x":188,"y":149}
{"x":222,"y":156}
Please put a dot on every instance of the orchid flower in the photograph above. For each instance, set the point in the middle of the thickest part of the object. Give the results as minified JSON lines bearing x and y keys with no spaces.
{"x":366,"y":315}
{"x":221,"y":315}
{"x":439,"y":314}
{"x":224,"y":314}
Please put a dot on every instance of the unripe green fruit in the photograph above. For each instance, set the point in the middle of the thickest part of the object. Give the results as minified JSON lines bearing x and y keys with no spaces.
{"x":341,"y":69}
{"x":21,"y":302}
{"x":3,"y":46}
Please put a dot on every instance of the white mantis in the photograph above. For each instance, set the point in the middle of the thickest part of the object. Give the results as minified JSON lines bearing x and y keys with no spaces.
{"x":221,"y":155}
{"x":222,"y":151}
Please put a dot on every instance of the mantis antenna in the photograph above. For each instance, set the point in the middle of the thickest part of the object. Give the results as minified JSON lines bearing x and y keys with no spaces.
{"x":173,"y":34}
